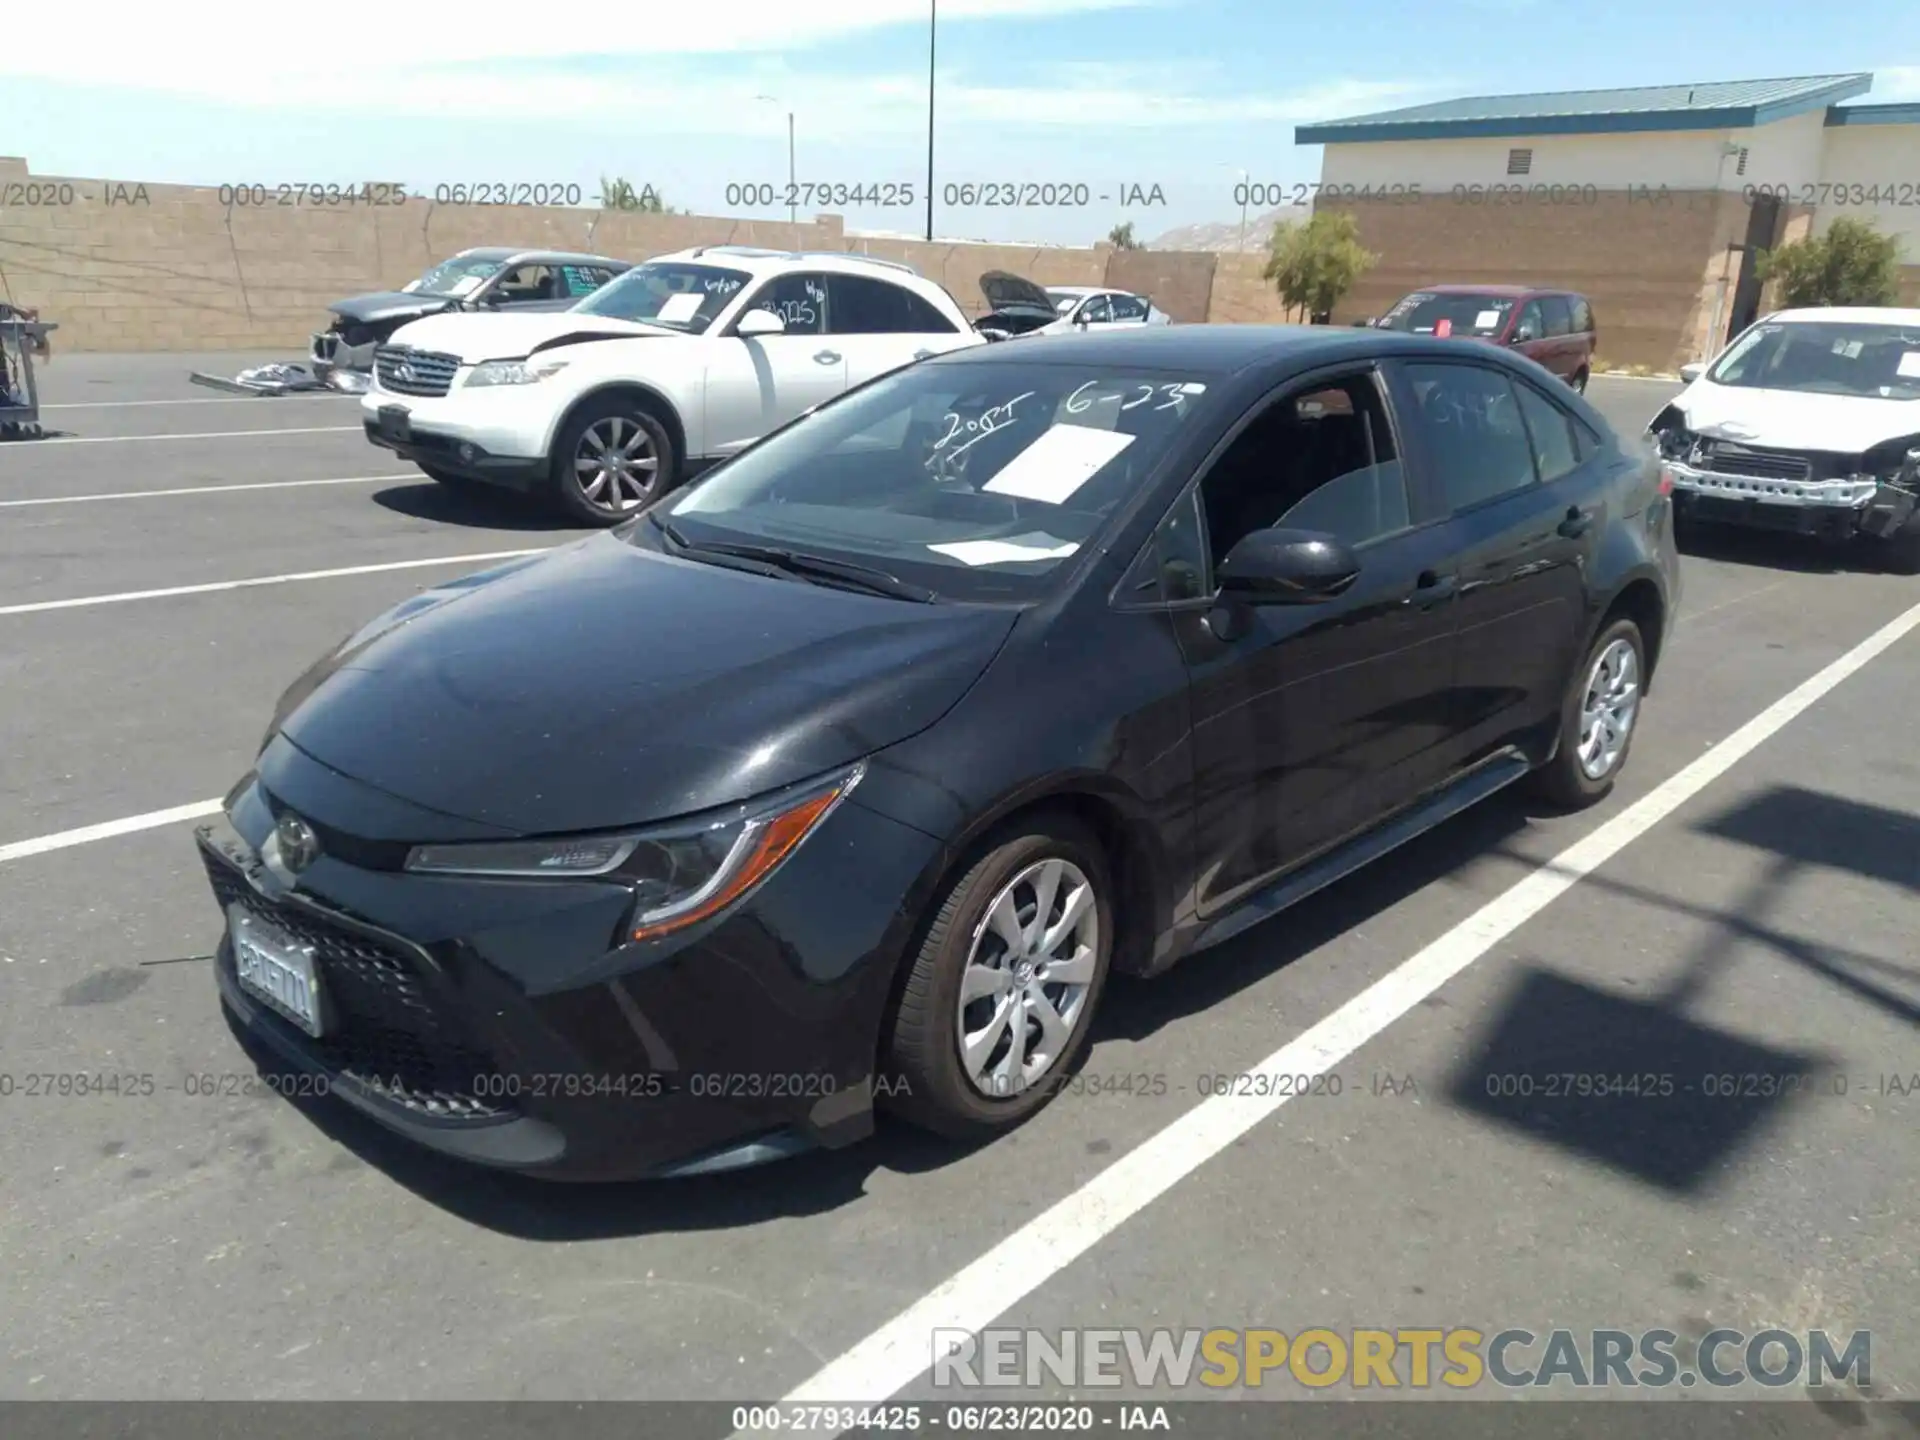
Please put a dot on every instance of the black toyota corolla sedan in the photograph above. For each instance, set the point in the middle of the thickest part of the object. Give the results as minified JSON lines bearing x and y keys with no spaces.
{"x":849,"y":773}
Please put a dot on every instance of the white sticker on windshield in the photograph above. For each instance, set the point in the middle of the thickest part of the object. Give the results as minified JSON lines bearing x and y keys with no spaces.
{"x":676,"y":309}
{"x":466,"y":285}
{"x":1034,"y":546}
{"x":1058,"y":463}
{"x":1850,"y":349}
{"x":1910,"y":364}
{"x":1486,"y":320}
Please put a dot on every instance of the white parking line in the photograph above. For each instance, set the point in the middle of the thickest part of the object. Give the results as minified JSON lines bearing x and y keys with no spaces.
{"x":206,"y":490}
{"x":201,"y":435}
{"x":107,"y":830}
{"x":196,"y":400}
{"x":900,"y":1351}
{"x":35,"y":607}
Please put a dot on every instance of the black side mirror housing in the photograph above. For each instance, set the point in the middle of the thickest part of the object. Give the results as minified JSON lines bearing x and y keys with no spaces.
{"x":1287,"y":567}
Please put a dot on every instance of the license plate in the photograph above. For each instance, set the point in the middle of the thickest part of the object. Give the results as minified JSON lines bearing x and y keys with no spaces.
{"x":275,"y":967}
{"x":396,"y":423}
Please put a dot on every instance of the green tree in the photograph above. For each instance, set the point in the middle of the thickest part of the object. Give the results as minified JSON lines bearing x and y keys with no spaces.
{"x":618,"y":193}
{"x":1314,"y":263}
{"x":1852,"y":264}
{"x":1121,"y":238}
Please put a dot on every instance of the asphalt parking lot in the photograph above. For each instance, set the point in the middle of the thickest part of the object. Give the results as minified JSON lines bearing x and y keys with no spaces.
{"x":1744,"y":905}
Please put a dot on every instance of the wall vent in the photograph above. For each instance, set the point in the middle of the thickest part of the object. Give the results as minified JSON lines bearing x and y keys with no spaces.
{"x":1519,"y":162}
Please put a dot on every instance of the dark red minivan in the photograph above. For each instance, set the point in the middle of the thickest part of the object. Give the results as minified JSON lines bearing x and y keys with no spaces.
{"x":1553,"y":328}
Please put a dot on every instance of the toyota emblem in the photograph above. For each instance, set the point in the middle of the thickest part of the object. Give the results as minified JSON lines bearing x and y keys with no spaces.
{"x":299,"y":847}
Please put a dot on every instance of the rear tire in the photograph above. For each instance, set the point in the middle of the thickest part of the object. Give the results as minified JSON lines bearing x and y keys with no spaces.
{"x":612,"y":458}
{"x":1598,"y":718}
{"x":989,"y":935}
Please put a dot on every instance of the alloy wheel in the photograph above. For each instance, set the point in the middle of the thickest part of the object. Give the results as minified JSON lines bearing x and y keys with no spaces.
{"x":1029,"y":972}
{"x":615,"y":465}
{"x":1609,"y":708}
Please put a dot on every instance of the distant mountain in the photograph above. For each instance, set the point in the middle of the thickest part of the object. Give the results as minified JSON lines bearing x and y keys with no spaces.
{"x":1223,"y":237}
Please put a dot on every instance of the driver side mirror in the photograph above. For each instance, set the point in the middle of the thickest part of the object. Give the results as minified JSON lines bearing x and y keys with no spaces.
{"x":1524,"y":334}
{"x":1366,"y":324}
{"x":760,"y":322}
{"x":1287,"y":567}
{"x":1692,"y":371}
{"x":1081,"y":321}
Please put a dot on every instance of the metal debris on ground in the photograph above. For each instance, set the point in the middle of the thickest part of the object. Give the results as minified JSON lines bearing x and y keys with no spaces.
{"x":286,"y":379}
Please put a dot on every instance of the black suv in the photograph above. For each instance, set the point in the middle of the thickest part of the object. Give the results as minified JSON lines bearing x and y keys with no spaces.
{"x":1004,"y":670}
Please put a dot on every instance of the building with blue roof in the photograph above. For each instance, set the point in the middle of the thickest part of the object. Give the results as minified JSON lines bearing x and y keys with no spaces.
{"x":1654,"y":200}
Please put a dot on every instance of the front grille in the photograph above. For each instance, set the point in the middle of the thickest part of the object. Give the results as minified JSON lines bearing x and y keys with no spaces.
{"x":390,"y":1035}
{"x":403,"y":370}
{"x":1724,"y":458}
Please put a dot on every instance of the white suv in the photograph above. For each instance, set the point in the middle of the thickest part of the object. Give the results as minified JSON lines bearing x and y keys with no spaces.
{"x":678,"y":363}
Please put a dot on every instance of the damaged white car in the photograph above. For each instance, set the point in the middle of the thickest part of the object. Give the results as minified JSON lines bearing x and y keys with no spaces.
{"x":1808,"y":422}
{"x":678,"y":363}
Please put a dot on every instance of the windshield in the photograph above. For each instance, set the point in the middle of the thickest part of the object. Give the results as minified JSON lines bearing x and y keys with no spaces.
{"x":462,"y":275}
{"x":975,"y":481}
{"x":672,"y":293}
{"x":1423,"y":314}
{"x":1825,"y":357}
{"x":1064,"y":300}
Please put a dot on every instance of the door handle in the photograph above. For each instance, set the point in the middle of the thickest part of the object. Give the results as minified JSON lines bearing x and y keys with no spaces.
{"x":827,"y":357}
{"x":1431,"y":589}
{"x":1577,"y":523}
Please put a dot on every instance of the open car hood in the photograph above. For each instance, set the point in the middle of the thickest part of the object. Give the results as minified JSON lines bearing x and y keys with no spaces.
{"x":1010,"y":294}
{"x":386,"y":306}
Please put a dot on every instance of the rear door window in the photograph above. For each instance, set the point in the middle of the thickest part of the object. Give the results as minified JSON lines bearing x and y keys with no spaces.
{"x":1557,"y":314}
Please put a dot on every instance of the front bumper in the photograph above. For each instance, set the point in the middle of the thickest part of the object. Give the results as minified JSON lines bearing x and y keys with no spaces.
{"x":329,"y":350}
{"x":1838,"y":509}
{"x":502,"y":1023}
{"x":496,"y":435}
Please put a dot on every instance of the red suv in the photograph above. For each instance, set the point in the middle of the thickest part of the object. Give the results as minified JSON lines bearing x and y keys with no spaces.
{"x":1553,"y":328}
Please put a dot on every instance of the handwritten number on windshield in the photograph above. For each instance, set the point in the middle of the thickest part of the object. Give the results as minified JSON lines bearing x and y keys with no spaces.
{"x":1176,"y":397}
{"x":997,"y":418}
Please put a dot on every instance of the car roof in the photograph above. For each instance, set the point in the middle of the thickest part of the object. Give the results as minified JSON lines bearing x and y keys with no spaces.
{"x":1848,"y":314}
{"x":1513,"y":292}
{"x":555,"y":257}
{"x":1076,"y":289}
{"x":758,"y":261}
{"x":1208,"y":349}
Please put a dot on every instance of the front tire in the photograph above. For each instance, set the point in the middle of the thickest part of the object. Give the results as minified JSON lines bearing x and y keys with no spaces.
{"x":998,"y":1004}
{"x":1598,"y":718}
{"x":611,"y":458}
{"x":1900,"y":551}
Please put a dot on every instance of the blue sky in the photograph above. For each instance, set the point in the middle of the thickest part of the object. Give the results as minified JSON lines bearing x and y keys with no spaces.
{"x":1179,"y":94}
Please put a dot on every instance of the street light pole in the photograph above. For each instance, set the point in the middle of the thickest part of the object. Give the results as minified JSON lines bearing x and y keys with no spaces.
{"x":793,"y":197}
{"x":933,"y":18}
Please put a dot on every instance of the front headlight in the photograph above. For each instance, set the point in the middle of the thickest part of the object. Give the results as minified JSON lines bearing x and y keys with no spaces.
{"x":680,"y":874}
{"x":514,"y":372}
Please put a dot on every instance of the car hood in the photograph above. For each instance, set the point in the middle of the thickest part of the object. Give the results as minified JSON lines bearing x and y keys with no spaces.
{"x":1006,"y":291}
{"x":480,"y":335}
{"x":1794,"y":420}
{"x":386,"y":305}
{"x":604,"y":685}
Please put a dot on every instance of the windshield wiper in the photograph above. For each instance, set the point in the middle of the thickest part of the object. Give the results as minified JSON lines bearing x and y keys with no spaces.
{"x":816,"y":569}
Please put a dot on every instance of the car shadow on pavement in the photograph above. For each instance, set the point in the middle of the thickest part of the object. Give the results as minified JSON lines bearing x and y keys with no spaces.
{"x":529,"y":1209}
{"x":481,"y":507}
{"x":1133,"y":1010}
{"x":1637,"y":1083}
{"x":1777,"y":550}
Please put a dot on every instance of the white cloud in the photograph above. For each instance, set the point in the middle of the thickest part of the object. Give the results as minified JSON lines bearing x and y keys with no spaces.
{"x":1892,"y":84}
